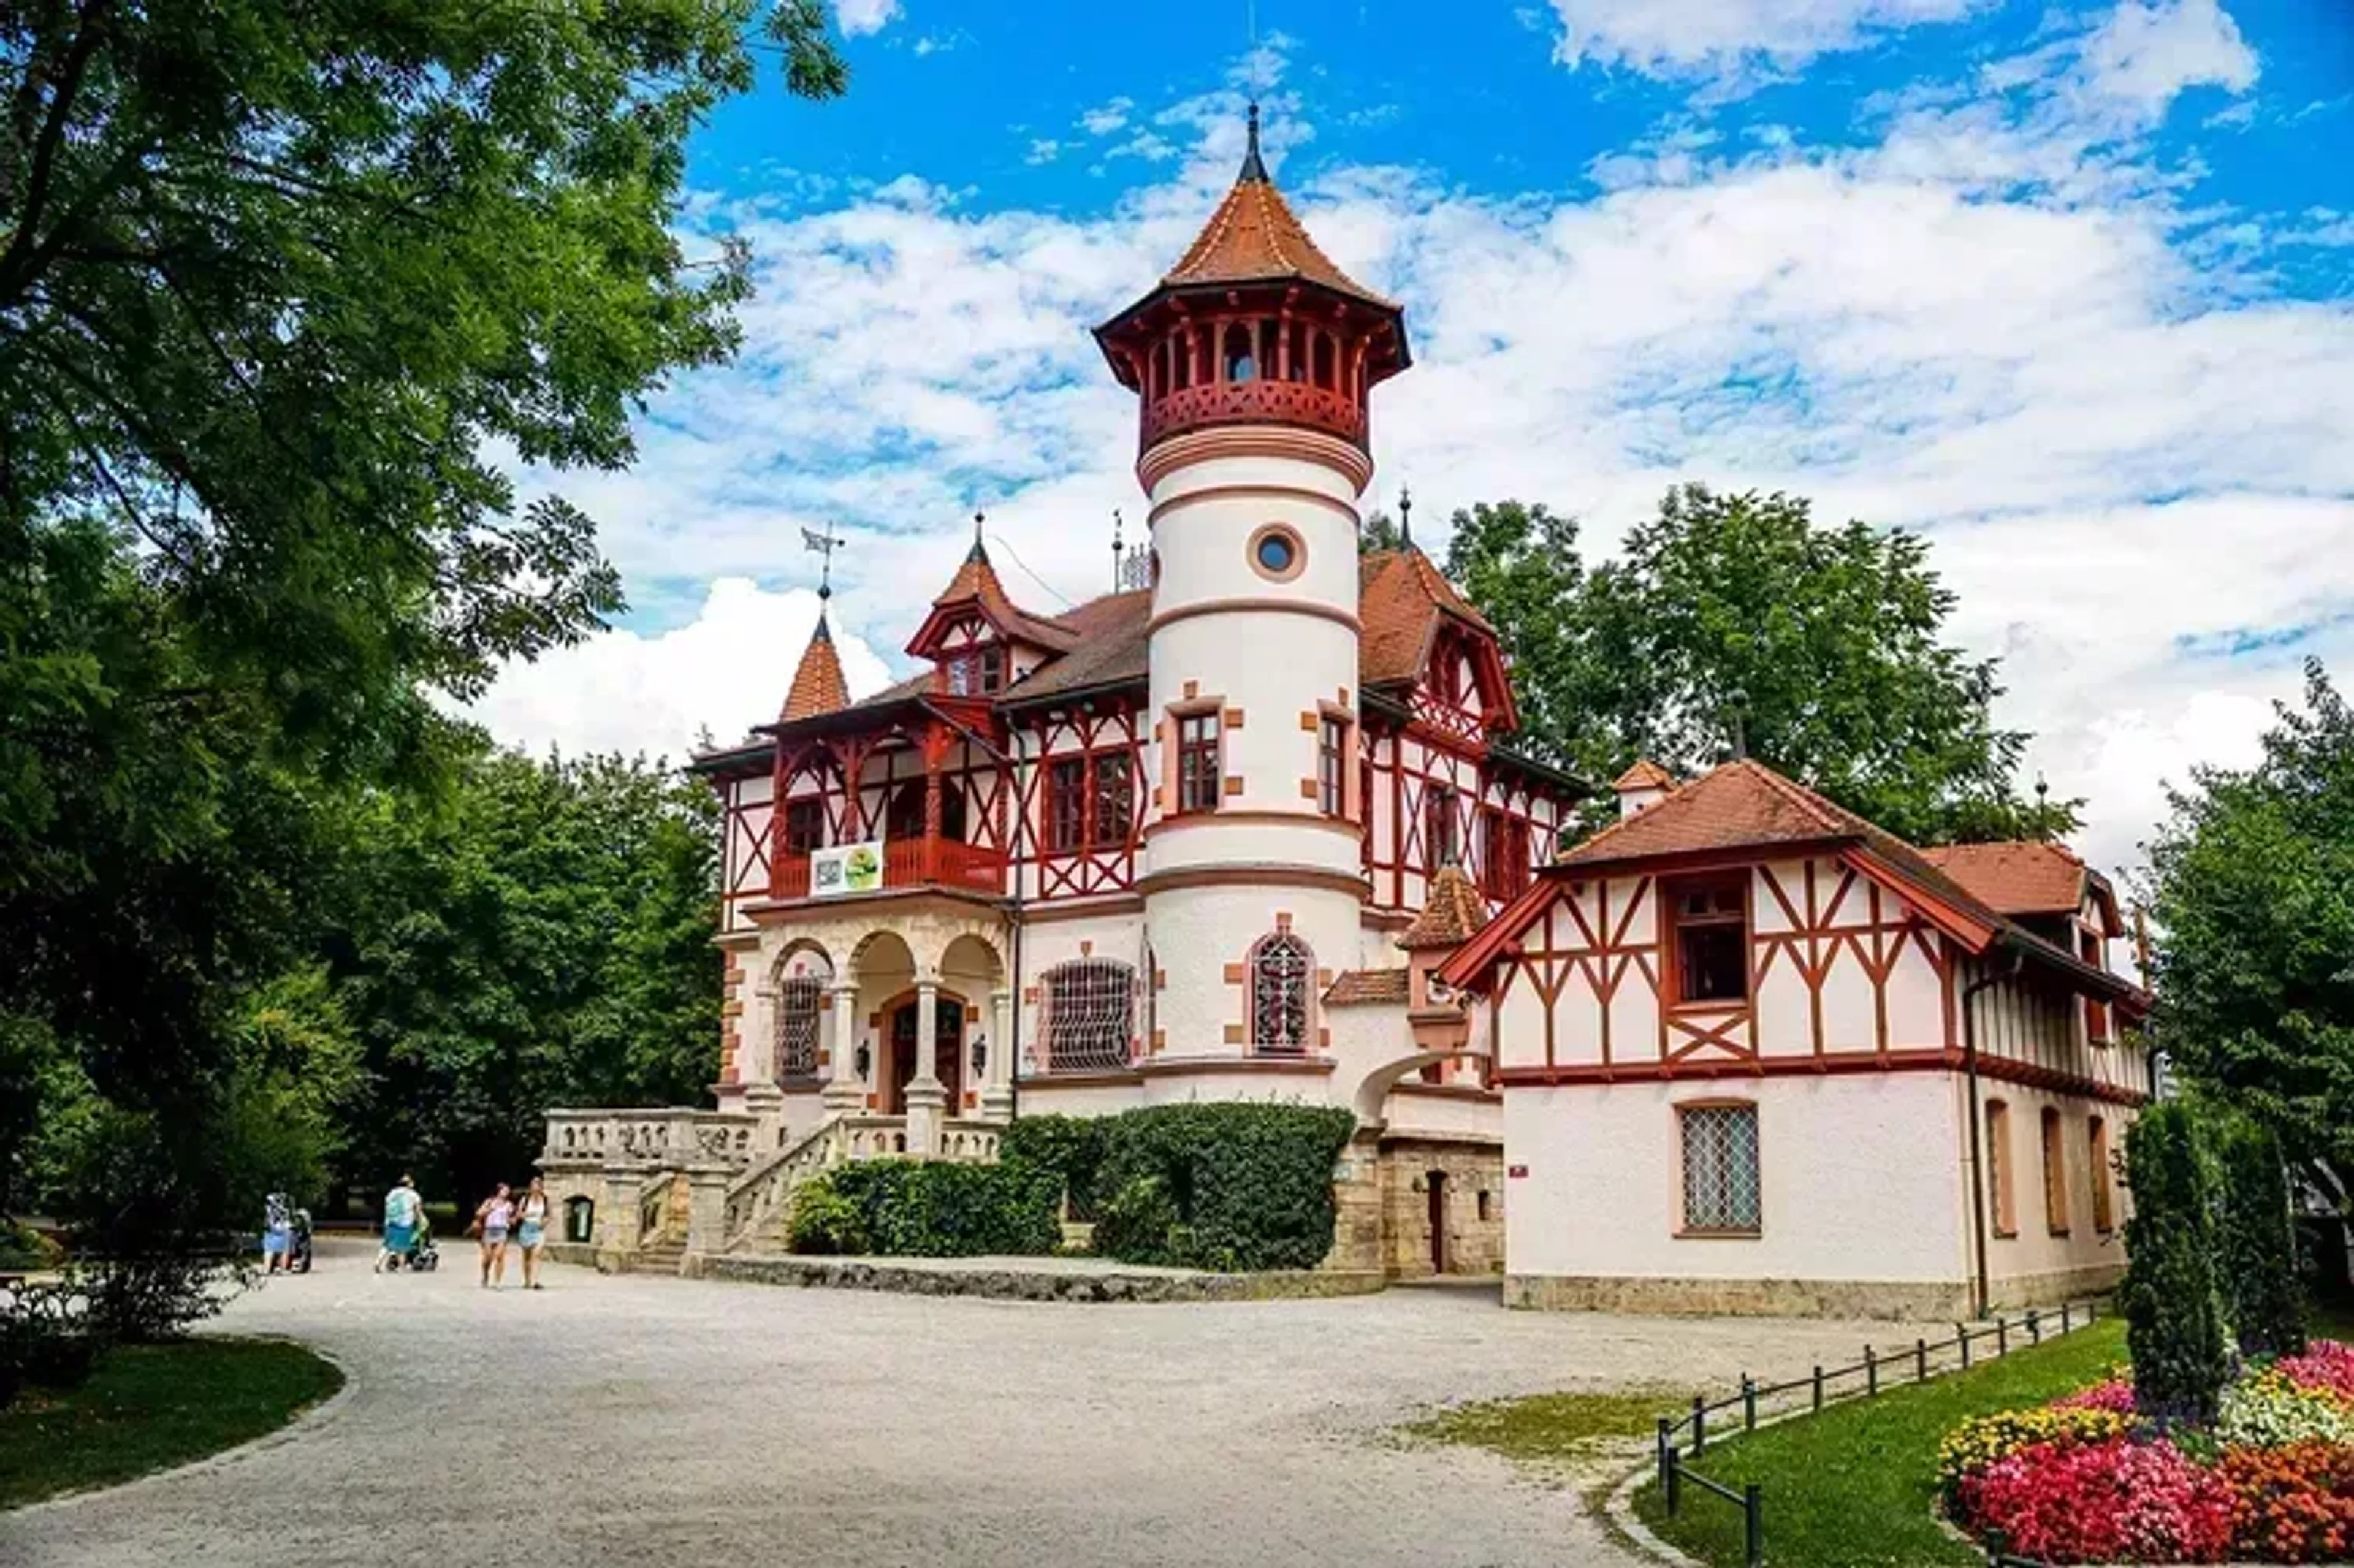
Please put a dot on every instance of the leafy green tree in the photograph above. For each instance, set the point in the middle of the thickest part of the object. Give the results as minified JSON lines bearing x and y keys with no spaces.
{"x":1379,"y":531}
{"x":2258,"y":1238}
{"x":2251,"y":887}
{"x":540,"y":935}
{"x":1733,"y":620}
{"x":285,"y":290}
{"x":2172,"y":1299}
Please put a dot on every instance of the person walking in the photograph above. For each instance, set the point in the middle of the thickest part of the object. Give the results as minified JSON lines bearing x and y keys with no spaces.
{"x":277,"y":1233}
{"x":491,"y":1221}
{"x":531,"y":1229}
{"x":402,"y":1209}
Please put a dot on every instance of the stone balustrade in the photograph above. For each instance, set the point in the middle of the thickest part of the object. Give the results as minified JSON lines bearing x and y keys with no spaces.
{"x":662,"y":1139}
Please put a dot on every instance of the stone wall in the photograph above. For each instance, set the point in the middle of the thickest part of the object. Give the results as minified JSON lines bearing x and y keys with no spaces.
{"x":1471,"y":1178}
{"x":1904,"y":1300}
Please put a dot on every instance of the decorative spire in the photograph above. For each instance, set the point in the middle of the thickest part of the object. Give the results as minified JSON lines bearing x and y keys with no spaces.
{"x":977,"y":553}
{"x":1254,"y":166}
{"x":817,"y":685}
{"x":1405,"y":517}
{"x":826,"y":543}
{"x":1118,"y":555}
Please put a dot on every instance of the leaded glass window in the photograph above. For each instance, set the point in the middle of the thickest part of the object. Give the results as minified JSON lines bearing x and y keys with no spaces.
{"x":1281,"y":970}
{"x":1090,"y":1015}
{"x":1721,"y":1190}
{"x":796,"y":1014}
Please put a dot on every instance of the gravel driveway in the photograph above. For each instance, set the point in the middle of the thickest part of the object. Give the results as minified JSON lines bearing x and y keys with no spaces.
{"x":660,"y":1422}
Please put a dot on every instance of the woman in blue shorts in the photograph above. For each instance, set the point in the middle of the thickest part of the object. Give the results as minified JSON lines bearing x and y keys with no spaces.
{"x":531,"y":1230}
{"x":493,"y":1220}
{"x":277,"y":1233}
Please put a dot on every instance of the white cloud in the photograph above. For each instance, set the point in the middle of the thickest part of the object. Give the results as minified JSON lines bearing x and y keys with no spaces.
{"x":1106,"y":117}
{"x":858,"y":17}
{"x":1985,"y":325}
{"x":1732,"y":38}
{"x":725,"y":672}
{"x":2147,"y":54}
{"x":1042,"y":149}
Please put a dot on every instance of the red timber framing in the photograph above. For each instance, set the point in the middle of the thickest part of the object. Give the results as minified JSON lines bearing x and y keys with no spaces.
{"x":1098,"y":857}
{"x":1404,"y":765}
{"x":960,"y":836}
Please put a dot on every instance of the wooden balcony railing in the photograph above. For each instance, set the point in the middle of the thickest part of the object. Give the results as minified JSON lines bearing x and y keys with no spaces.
{"x":908,"y":862}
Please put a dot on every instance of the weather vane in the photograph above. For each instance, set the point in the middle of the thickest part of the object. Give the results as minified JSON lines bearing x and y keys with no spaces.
{"x":825,"y":542}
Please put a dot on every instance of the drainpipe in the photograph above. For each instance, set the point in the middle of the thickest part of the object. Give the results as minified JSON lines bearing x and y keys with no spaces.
{"x":1020,"y":823}
{"x":1977,"y":1132}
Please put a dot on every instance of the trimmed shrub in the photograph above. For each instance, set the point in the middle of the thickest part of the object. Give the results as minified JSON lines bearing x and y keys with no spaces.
{"x":2172,"y":1300}
{"x":932,"y":1208}
{"x":1228,"y":1186}
{"x":1071,"y":1147}
{"x":2258,"y":1238}
{"x":824,"y":1222}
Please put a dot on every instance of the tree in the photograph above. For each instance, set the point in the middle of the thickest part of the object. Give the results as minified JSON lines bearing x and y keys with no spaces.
{"x":540,"y":936}
{"x":1733,"y":620}
{"x":284,"y":289}
{"x":2258,"y":1238}
{"x":2251,"y":887}
{"x":1379,"y":531}
{"x":2171,"y":1296}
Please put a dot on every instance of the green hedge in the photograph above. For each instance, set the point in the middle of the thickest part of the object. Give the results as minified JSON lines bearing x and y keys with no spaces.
{"x":1227,"y":1186}
{"x":1071,"y":1148}
{"x":2172,"y":1297}
{"x":927,"y":1208}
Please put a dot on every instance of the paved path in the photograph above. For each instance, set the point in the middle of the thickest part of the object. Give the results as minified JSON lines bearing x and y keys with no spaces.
{"x":677,"y":1424}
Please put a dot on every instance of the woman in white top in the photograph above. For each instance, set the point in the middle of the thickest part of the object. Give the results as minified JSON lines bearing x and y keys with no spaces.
{"x":531,"y":1229}
{"x":492,"y":1220}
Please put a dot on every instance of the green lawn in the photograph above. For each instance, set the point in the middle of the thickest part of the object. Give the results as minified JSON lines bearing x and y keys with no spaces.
{"x":1854,"y":1486}
{"x":1551,"y":1426}
{"x":152,"y":1406}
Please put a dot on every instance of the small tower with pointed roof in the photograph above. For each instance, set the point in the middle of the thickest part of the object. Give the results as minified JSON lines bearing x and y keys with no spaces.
{"x":818,"y":686}
{"x":1254,"y":361}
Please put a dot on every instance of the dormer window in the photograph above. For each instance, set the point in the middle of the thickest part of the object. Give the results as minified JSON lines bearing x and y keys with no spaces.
{"x":977,"y":673}
{"x":1709,"y":918}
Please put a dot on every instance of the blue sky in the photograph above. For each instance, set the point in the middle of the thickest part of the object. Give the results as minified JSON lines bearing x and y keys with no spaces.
{"x":2068,"y":289}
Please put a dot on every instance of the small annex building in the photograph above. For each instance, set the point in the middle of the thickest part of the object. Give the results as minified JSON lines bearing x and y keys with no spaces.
{"x":1758,"y":1056}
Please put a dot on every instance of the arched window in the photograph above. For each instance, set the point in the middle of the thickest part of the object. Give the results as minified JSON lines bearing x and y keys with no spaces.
{"x":1090,"y":1007}
{"x":1241,"y":364}
{"x":798,"y":999}
{"x":1281,"y":971}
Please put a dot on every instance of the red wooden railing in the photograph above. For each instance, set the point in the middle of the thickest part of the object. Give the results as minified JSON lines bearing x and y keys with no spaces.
{"x":907,"y":863}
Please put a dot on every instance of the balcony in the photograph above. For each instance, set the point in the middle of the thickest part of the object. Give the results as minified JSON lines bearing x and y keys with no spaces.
{"x":908,"y":862}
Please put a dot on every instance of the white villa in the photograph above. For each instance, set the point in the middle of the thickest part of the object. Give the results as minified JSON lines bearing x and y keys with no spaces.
{"x":1252,"y":827}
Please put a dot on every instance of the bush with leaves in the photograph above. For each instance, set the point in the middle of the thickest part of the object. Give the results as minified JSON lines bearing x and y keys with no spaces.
{"x":2258,"y":1238}
{"x":2172,"y":1300}
{"x":823,"y":1222}
{"x":1071,"y":1147}
{"x":936,"y":1208}
{"x":1245,"y":1187}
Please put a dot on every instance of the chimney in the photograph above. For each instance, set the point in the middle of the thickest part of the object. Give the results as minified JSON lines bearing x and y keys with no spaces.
{"x":1641,"y":787}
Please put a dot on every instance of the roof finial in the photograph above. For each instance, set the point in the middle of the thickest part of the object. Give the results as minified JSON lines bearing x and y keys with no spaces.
{"x":1405,"y":517}
{"x":1254,"y":166}
{"x":1118,"y":555}
{"x":1736,"y":703}
{"x":977,"y":553}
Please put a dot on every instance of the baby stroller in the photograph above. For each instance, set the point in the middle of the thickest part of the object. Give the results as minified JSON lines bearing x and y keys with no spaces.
{"x":297,"y":1244}
{"x":421,"y":1258}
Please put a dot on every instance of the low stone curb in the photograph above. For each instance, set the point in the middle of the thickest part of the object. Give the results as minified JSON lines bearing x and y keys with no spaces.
{"x":1025,"y":1285}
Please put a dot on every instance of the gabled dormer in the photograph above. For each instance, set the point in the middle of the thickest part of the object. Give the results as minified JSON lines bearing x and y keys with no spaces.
{"x":1427,"y":647}
{"x":977,"y":639}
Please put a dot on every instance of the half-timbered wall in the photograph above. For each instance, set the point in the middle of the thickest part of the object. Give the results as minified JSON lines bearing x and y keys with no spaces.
{"x":1405,"y":772}
{"x":1102,"y":861}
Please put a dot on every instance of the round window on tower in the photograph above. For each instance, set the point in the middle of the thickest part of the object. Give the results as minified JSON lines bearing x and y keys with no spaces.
{"x":1277,"y":554}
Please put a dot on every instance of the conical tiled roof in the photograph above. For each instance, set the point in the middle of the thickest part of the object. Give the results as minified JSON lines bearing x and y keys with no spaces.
{"x":976,"y":581}
{"x":1455,"y":913}
{"x":1254,"y":236}
{"x":818,"y":686}
{"x":1645,"y":775}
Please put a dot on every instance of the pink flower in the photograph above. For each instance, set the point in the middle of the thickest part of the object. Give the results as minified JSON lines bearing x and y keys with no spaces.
{"x":2116,"y":1394}
{"x":2327,"y":1364}
{"x":2118,"y":1501}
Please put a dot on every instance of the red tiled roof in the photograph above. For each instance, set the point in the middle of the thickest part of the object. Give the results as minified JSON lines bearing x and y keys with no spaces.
{"x":2017,"y":877}
{"x":1368,"y":986}
{"x":1400,"y":600}
{"x":1455,"y":913}
{"x":1110,"y":646}
{"x":1254,"y":236}
{"x":1645,"y":775}
{"x":818,"y":686}
{"x":976,"y":580}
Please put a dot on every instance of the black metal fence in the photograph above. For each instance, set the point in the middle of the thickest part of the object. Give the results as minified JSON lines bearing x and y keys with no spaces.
{"x":1682,"y":1438}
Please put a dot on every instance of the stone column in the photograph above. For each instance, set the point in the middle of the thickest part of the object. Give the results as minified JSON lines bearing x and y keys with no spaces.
{"x":756,"y":1055}
{"x":706,"y":1214}
{"x":927,"y":1097}
{"x":617,"y":1217}
{"x":997,"y":1086}
{"x":846,"y":1091}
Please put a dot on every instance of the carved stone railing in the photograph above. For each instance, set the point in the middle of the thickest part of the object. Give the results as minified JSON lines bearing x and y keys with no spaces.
{"x":658,"y":1205}
{"x":665,"y":1138}
{"x":974,"y":1141}
{"x":759,"y":1201}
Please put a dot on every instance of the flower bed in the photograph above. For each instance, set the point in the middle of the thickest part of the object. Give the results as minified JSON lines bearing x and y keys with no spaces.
{"x":2086,"y":1479}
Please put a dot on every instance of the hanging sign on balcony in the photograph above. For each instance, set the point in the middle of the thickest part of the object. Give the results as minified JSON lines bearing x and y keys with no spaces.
{"x":845,"y":868}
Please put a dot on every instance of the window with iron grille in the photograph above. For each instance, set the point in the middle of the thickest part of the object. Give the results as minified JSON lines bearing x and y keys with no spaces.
{"x":1115,"y":800}
{"x":804,"y":825}
{"x":1067,"y":800}
{"x":1197,"y":762}
{"x":1281,"y":971}
{"x":1720,"y":1154}
{"x":1331,"y":741}
{"x":1438,"y":826}
{"x":797,"y":1015}
{"x":1090,"y":1015}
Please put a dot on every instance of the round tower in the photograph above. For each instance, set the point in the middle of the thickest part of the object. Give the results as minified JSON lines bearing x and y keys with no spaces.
{"x":1254,"y":360}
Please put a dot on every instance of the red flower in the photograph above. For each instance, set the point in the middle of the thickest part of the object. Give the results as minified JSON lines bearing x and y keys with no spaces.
{"x":2116,"y":1502}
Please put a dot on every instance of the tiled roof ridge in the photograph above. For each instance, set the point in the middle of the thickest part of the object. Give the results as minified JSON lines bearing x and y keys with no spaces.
{"x":1451,"y":915}
{"x":1288,"y":249}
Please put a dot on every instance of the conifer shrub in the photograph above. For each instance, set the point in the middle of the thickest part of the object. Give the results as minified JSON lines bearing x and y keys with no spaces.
{"x":2257,"y":1237}
{"x":2172,"y":1297}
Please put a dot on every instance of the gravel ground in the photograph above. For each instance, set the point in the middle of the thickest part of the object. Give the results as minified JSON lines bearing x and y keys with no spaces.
{"x":663,"y":1422}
